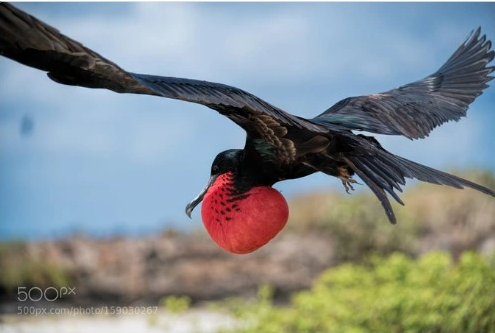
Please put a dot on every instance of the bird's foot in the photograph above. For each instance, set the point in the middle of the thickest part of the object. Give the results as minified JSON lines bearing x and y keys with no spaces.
{"x":346,"y":179}
{"x":348,"y":184}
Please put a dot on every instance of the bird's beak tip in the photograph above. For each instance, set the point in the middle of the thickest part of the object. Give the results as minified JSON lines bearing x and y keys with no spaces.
{"x":189,"y":211}
{"x":190,"y":206}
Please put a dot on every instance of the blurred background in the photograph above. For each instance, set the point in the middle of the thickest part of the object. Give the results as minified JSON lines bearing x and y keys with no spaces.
{"x":93,"y":184}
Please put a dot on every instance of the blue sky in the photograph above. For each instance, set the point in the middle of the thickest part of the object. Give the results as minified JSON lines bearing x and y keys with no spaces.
{"x":103,"y":163}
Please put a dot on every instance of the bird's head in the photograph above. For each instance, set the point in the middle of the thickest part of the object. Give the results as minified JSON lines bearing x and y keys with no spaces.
{"x":239,"y":216}
{"x":227,"y":162}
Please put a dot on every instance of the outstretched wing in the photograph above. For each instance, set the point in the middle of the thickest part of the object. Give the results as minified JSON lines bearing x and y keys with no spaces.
{"x":31,"y":42}
{"x":415,"y":109}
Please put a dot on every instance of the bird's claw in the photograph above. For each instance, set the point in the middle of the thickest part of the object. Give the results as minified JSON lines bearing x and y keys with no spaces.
{"x":347,"y":182}
{"x":346,"y":179}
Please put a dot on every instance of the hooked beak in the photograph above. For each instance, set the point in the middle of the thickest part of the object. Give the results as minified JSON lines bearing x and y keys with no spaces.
{"x":190,"y":206}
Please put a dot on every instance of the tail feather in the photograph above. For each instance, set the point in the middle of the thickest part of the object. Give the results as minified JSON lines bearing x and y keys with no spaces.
{"x":427,"y":174}
{"x":384,"y":171}
{"x":377,"y":190}
{"x":378,"y":177}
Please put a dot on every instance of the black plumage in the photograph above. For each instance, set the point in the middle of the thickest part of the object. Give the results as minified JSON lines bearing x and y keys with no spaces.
{"x":415,"y":109}
{"x":279,"y":145}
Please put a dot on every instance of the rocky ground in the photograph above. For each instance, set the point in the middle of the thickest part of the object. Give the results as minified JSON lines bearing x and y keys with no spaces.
{"x":126,"y":272}
{"x":143,"y":270}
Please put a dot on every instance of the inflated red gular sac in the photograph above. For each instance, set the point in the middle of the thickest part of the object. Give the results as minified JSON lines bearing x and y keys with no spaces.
{"x":239,"y":218}
{"x":242,"y":223}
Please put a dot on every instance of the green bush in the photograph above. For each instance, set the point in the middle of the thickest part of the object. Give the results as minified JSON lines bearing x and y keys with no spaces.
{"x":176,"y":304}
{"x":18,"y":268}
{"x":396,"y":294}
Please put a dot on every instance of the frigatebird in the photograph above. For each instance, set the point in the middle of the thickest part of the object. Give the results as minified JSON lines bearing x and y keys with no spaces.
{"x":240,"y":209}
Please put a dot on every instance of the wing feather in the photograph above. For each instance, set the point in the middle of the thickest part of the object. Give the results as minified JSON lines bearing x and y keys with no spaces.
{"x":415,"y":109}
{"x":29,"y":41}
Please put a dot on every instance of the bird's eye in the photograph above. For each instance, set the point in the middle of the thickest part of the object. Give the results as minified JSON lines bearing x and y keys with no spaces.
{"x":214,"y":169}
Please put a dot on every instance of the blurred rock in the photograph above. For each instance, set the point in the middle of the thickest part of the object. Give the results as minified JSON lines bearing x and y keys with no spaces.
{"x":143,"y":270}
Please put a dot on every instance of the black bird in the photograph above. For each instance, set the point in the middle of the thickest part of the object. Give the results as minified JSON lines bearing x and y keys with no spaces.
{"x":240,"y":210}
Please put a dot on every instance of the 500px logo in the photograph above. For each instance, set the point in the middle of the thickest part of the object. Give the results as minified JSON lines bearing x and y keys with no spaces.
{"x":49,"y":294}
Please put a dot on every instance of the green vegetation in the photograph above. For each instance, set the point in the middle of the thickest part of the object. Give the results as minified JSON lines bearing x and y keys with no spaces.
{"x":19,"y":268}
{"x":395,"y":294}
{"x":176,"y":304}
